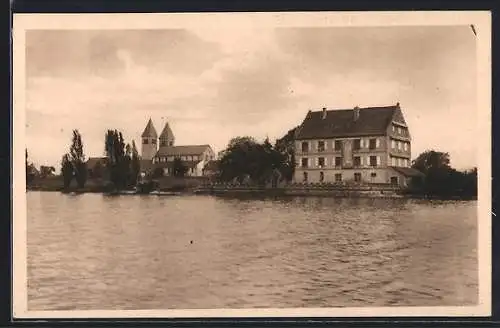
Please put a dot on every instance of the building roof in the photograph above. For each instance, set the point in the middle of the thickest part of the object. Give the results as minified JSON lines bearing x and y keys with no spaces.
{"x":149,"y":131}
{"x":92,"y":161}
{"x":182,"y":150}
{"x":408,"y":171}
{"x":341,"y":123}
{"x":166,"y":133}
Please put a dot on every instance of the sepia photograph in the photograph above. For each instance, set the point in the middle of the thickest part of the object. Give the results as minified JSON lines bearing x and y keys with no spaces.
{"x":252,"y":164}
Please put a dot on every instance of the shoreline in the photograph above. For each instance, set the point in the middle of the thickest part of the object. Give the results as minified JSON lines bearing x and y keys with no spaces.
{"x":260,"y":192}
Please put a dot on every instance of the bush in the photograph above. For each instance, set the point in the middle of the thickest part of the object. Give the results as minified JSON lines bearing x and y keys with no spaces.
{"x":147,"y":187}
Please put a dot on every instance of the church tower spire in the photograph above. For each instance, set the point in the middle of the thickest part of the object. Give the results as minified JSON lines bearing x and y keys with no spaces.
{"x":167,"y":138}
{"x":149,"y":141}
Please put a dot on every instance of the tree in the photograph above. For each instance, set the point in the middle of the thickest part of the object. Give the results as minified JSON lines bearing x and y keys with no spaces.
{"x":157,"y":173}
{"x":26,"y":162}
{"x":179,"y":168}
{"x":30,"y":176}
{"x":286,"y":147}
{"x":135,"y":165}
{"x":441,"y":179}
{"x":67,"y":170}
{"x":78,"y":159}
{"x":118,"y":159}
{"x":431,"y":160}
{"x":46,"y":171}
{"x":244,"y":157}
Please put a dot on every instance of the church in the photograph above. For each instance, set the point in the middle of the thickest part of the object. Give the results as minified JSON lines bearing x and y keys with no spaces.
{"x":160,"y":152}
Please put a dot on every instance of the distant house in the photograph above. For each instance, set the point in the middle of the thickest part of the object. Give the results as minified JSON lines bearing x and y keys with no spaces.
{"x":362,"y":145}
{"x":96,"y":166}
{"x":154,"y":156}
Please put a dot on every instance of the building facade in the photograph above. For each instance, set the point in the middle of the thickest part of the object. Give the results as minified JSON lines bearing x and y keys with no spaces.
{"x":360,"y":145}
{"x":161,"y":151}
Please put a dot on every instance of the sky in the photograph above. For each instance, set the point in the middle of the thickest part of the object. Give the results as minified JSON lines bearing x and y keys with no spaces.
{"x":214,"y":84}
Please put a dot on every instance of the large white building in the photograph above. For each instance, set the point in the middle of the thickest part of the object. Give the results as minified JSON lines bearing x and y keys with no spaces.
{"x":363,"y":145}
{"x":160,"y":152}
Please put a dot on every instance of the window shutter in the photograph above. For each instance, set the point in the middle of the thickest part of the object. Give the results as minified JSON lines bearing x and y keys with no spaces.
{"x":316,"y":162}
{"x":378,"y":160}
{"x":377,"y":143}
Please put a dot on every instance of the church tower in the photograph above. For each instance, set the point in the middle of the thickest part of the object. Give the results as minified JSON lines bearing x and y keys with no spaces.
{"x":149,"y":144}
{"x":167,"y":138}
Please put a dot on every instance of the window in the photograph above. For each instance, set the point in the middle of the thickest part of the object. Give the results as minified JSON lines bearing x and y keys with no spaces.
{"x":394,"y":180}
{"x":338,"y":161}
{"x":171,"y":143}
{"x":305,"y":176}
{"x":338,"y":177}
{"x":373,"y":160}
{"x":400,"y":131}
{"x":338,"y":144}
{"x":357,"y":177}
{"x":321,"y":161}
{"x":163,"y":143}
{"x":304,"y":162}
{"x":153,"y":141}
{"x":321,"y":146}
{"x":393,"y":128}
{"x":399,"y":143}
{"x":321,"y":176}
{"x":305,"y":147}
{"x":405,"y":146}
{"x":393,"y":161}
{"x":357,"y":144}
{"x":373,"y":143}
{"x":145,"y":141}
{"x":357,"y":161}
{"x":373,"y":175}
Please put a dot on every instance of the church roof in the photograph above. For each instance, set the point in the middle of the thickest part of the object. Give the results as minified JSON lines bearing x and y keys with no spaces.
{"x":150,"y":130}
{"x":167,"y":132}
{"x":182,"y":150}
{"x":341,"y":123}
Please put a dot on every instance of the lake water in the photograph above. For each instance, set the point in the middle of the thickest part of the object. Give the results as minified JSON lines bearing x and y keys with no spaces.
{"x":93,"y":251}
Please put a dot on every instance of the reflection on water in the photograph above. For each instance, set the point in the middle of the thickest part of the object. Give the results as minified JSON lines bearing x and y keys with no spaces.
{"x":141,"y":252}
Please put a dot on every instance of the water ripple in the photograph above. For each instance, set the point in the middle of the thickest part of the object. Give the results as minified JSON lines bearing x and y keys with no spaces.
{"x":95,"y":252}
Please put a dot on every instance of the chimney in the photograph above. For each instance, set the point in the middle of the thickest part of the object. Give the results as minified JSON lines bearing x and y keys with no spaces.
{"x":356,"y":113}
{"x":324,"y":113}
{"x":397,"y":104}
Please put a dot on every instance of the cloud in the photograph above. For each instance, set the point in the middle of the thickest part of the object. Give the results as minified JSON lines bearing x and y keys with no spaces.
{"x":214,"y":84}
{"x":72,"y":53}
